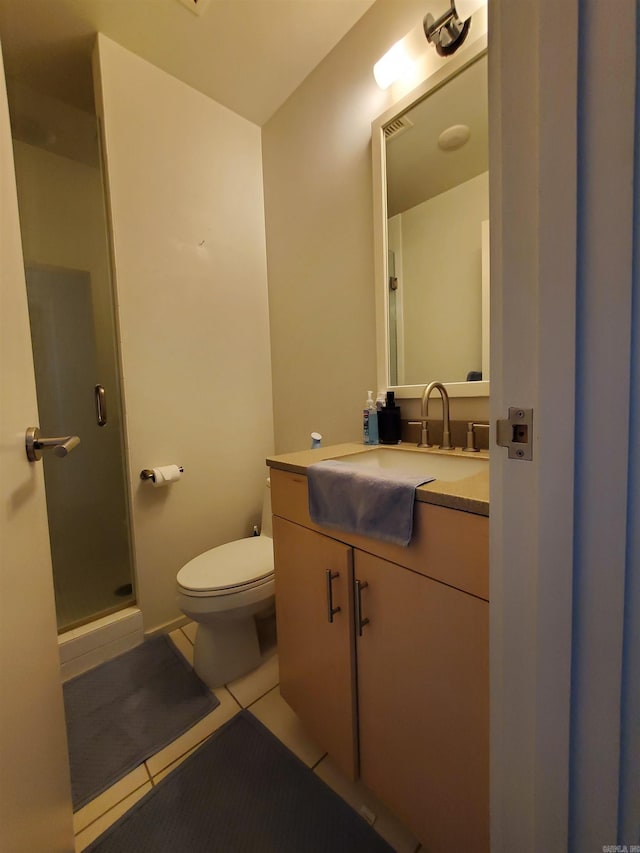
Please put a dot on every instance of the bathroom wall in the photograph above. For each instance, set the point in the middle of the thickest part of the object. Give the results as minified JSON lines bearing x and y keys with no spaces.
{"x":185,"y":189}
{"x":319,"y":214}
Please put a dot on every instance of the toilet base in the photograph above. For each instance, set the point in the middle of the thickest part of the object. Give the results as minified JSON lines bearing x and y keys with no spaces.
{"x":221,"y":656}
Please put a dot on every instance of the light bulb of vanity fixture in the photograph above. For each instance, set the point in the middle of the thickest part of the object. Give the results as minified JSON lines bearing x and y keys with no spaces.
{"x":391,"y":66}
{"x":400,"y":58}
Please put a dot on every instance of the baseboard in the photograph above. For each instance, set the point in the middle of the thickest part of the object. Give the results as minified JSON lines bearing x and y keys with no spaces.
{"x":167,"y":627}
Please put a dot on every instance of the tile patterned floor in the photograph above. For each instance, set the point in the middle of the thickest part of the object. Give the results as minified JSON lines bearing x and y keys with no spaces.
{"x":260,"y":694}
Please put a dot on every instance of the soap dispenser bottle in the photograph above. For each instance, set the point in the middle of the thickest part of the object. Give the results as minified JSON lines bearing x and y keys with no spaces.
{"x":389,"y":421}
{"x":370,"y":421}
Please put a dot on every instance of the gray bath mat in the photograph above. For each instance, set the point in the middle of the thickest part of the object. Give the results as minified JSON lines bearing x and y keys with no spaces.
{"x":241,"y":792}
{"x":125,"y":710}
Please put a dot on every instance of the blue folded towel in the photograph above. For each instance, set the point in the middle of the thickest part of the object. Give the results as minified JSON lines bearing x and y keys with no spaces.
{"x":359,"y":499}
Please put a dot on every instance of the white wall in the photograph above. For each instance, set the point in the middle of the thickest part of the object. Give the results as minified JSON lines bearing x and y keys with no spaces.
{"x":185,"y":187}
{"x":319,"y":210}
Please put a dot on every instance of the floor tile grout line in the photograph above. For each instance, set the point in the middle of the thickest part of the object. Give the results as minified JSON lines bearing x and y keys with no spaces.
{"x":319,"y":761}
{"x":186,"y":635}
{"x":266,"y":693}
{"x":234,"y":695}
{"x":113,"y":806}
{"x":192,"y":748}
{"x":181,"y":758}
{"x":257,"y":699}
{"x":237,"y":701}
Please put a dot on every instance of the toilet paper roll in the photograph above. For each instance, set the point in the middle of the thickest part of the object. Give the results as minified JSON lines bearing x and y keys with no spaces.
{"x":165,"y":474}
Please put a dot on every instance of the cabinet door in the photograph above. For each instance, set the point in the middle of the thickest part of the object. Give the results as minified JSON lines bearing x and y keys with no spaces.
{"x":423,"y":699}
{"x":317,"y":655}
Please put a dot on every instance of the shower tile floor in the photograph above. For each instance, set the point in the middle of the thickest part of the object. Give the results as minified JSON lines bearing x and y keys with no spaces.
{"x":259,"y":693}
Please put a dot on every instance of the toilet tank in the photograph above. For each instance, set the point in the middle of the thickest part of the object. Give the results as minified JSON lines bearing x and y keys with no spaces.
{"x":266,"y":528}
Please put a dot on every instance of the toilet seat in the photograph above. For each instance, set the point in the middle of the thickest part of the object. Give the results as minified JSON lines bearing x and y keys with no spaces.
{"x":234,"y":567}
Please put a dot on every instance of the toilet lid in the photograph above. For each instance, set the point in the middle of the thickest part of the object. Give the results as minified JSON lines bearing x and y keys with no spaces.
{"x":235,"y":565}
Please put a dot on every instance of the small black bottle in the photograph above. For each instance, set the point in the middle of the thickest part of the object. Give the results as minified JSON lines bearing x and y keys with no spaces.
{"x":389,"y":421}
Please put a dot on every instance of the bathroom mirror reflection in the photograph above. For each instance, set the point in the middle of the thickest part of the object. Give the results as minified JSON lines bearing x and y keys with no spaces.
{"x":435,"y":163}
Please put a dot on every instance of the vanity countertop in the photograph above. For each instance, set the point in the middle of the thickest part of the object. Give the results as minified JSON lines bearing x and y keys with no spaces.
{"x":470,"y":494}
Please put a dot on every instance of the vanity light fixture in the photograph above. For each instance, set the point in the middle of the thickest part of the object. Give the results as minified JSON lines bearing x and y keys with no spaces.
{"x":449,"y":31}
{"x":447,"y":34}
{"x":399,"y":59}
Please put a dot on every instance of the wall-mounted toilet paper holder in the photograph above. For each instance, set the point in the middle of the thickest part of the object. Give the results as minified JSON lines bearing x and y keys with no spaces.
{"x":147,"y":474}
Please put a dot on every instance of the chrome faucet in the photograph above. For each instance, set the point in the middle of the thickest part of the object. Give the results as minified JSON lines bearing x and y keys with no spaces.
{"x":446,"y":428}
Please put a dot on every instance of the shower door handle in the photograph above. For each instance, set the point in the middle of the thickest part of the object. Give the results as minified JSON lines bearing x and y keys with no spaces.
{"x":101,"y":405}
{"x":34,"y":444}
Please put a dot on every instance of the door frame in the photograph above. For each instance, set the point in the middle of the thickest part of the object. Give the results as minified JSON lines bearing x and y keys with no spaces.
{"x":562,"y":97}
{"x":533,"y":184}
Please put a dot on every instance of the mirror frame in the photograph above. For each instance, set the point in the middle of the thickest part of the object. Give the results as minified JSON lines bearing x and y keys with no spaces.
{"x":455,"y":65}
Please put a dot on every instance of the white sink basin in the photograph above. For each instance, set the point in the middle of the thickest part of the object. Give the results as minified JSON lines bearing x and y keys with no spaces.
{"x":419,"y":462}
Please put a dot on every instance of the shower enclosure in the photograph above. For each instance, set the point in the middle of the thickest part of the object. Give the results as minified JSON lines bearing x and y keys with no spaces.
{"x":71,"y":311}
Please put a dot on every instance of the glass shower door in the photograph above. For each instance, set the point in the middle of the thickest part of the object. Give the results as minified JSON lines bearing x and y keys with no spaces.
{"x":72,"y":318}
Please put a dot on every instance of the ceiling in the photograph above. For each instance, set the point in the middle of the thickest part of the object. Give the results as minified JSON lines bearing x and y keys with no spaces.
{"x":248,"y":55}
{"x":417,"y":169}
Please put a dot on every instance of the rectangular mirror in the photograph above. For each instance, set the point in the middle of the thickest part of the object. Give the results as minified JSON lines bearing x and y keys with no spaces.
{"x":431,"y":185}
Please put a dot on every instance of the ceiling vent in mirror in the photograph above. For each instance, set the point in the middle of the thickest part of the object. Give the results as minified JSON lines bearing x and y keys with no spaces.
{"x":396,"y":127}
{"x":198,"y":7}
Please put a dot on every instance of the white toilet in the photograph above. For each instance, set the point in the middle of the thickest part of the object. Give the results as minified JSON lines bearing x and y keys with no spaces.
{"x":224,"y":590}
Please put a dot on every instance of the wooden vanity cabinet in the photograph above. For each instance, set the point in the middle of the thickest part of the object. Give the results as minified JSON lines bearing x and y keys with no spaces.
{"x":423,"y":702}
{"x":419,"y":733}
{"x":316,"y":655}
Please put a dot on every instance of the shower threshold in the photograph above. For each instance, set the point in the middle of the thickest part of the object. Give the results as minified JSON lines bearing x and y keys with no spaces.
{"x":88,"y":645}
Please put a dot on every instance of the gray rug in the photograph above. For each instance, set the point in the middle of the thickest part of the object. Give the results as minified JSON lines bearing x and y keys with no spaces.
{"x":241,"y":792}
{"x":125,"y":710}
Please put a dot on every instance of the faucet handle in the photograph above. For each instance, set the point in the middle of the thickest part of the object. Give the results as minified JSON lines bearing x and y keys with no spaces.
{"x":471,"y":436}
{"x":424,"y":435}
{"x":471,"y":439}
